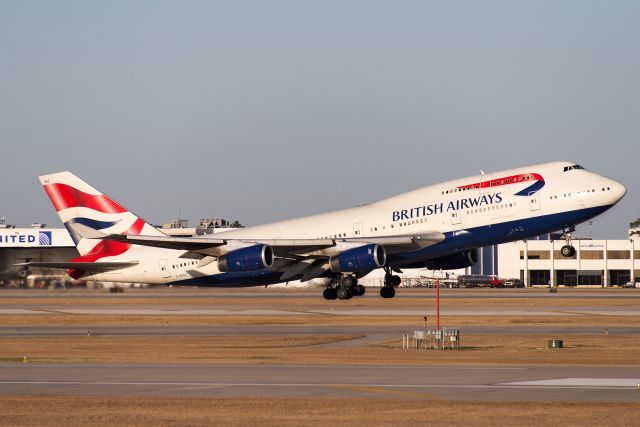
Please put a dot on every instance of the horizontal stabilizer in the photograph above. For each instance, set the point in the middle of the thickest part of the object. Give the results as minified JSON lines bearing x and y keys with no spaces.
{"x":85,"y":266}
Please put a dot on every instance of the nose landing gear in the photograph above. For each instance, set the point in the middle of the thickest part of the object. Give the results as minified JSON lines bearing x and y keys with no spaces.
{"x":568,"y":250}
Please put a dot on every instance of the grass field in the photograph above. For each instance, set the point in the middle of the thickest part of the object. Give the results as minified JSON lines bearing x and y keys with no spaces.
{"x":476,"y":349}
{"x":416,"y":411}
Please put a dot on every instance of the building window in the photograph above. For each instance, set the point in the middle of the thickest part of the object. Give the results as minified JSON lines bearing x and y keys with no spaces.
{"x":619,"y":277}
{"x":539,"y":277}
{"x":590,"y":254}
{"x":536,"y":255}
{"x":618,"y":254}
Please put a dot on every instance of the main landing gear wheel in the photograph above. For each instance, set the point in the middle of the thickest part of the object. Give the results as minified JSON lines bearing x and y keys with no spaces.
{"x":344,"y":293}
{"x":348,"y":281}
{"x":387,"y":292}
{"x":568,"y":251}
{"x":330,"y":294}
{"x":343,"y":287}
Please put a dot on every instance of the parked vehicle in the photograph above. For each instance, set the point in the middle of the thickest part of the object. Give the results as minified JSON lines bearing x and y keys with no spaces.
{"x":631,"y":285}
{"x":513,"y":283}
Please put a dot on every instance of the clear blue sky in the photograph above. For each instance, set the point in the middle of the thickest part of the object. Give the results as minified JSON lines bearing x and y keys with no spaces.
{"x":260,"y":111}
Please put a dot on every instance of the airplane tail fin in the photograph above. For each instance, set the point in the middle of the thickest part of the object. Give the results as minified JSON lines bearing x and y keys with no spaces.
{"x":79,"y":203}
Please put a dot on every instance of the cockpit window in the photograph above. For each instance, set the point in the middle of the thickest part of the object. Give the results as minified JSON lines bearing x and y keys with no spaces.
{"x":572,"y":167}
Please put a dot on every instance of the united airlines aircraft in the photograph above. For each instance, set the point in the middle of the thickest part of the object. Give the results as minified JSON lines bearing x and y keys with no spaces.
{"x":437,"y":227}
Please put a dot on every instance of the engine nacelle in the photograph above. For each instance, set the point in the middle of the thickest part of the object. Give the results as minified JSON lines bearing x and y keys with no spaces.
{"x":462,"y":259}
{"x":246,"y":259}
{"x":362,"y":258}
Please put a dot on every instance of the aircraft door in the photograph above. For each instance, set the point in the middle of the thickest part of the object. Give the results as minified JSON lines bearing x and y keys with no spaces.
{"x":485,"y":184}
{"x":165,"y":273}
{"x":456,"y":220}
{"x":357,"y":229}
{"x":534,"y":202}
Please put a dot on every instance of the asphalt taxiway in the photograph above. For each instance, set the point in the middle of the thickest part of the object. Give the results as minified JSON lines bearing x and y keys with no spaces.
{"x":557,"y":383}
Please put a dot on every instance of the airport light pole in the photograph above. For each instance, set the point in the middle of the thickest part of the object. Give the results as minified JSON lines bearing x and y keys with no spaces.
{"x":438,"y":304}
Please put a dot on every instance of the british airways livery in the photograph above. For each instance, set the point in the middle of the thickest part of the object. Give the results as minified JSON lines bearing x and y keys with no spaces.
{"x":437,"y":227}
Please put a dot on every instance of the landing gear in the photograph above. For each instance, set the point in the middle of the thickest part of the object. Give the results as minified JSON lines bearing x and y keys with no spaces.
{"x":344,"y":287}
{"x":387,"y":292}
{"x":330,"y":294}
{"x":391,"y":281}
{"x":567,"y":250}
{"x":344,"y":293}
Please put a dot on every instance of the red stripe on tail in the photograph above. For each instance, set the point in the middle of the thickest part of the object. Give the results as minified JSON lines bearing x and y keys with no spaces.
{"x":63,"y":197}
{"x":106,"y":248}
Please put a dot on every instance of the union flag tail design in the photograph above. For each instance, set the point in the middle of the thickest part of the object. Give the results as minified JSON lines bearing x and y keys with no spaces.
{"x":79,"y":203}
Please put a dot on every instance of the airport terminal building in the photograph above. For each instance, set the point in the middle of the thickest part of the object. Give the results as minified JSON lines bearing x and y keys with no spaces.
{"x":596,"y":262}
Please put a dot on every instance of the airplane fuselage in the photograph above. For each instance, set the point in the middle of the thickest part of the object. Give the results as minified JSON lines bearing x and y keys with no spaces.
{"x":470,"y":212}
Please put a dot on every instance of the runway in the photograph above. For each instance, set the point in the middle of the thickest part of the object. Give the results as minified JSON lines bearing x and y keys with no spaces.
{"x":341,"y":308}
{"x":564,"y":383}
{"x":257,"y":316}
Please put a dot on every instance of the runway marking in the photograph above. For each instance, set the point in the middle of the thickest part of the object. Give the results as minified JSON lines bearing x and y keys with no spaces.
{"x":386,"y":391}
{"x":310,"y":385}
{"x":581,"y":382}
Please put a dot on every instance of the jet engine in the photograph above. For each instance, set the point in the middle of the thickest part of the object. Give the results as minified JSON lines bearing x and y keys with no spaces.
{"x":250,"y":258}
{"x":455,"y":261}
{"x":362,"y":258}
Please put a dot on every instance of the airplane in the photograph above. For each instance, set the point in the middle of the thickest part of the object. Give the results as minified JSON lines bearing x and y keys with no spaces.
{"x":436,"y":227}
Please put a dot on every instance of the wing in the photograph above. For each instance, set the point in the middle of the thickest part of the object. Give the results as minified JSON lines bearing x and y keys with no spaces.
{"x":306,"y":258}
{"x":85,"y":266}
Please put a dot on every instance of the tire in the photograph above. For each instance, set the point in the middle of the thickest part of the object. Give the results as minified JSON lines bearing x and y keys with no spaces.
{"x":330,"y":294}
{"x":395,"y":281}
{"x":343,"y":293}
{"x":361,"y":290}
{"x":348,"y":281}
{"x":387,"y":292}
{"x":567,"y":251}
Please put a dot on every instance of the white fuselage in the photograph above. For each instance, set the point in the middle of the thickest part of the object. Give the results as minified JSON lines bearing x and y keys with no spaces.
{"x":459,"y":208}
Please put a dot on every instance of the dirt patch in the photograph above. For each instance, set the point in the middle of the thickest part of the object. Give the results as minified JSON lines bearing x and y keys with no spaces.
{"x":150,"y":349}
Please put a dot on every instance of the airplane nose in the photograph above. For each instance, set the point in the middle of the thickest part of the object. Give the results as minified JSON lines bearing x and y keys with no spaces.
{"x":618,"y":191}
